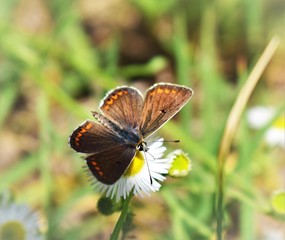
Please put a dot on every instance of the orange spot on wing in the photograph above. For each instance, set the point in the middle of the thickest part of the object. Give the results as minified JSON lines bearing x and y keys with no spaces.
{"x":152,"y":93}
{"x":120,"y":93}
{"x":173,"y":91}
{"x":125,"y":92}
{"x":167,"y":91}
{"x":110,"y":101}
{"x":106,"y":107}
{"x":115,"y":97}
{"x":88,"y":126}
{"x":83,"y":130}
{"x":79,"y":135}
{"x":159,"y":90}
{"x":94,"y":163}
{"x":100,"y":173}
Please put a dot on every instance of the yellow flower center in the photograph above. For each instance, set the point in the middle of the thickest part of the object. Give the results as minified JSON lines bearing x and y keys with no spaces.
{"x":13,"y":230}
{"x":181,"y":165}
{"x":136,"y":165}
{"x":280,"y":122}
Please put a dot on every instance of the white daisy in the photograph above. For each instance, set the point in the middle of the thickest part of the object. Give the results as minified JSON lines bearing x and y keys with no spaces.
{"x":259,"y":116}
{"x":137,"y":176}
{"x":18,"y":222}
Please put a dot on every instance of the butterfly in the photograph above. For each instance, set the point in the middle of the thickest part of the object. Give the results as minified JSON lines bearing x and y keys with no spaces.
{"x":126,"y":120}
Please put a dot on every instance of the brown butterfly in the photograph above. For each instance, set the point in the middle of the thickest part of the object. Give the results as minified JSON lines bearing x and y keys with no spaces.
{"x":126,"y":120}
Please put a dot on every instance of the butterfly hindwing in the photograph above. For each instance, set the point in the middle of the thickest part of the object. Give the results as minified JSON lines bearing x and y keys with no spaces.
{"x":161,"y":103}
{"x":110,"y":165}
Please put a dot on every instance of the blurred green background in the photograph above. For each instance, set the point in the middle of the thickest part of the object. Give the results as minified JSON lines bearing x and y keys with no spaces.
{"x":59,"y":58}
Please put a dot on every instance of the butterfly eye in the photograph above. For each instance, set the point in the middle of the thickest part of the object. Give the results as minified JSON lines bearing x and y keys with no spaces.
{"x":142,"y":147}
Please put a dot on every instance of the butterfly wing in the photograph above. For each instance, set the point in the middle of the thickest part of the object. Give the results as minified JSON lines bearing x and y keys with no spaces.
{"x":123,"y":106}
{"x":93,"y":137}
{"x":161,"y":103}
{"x":110,"y":155}
{"x":110,"y":165}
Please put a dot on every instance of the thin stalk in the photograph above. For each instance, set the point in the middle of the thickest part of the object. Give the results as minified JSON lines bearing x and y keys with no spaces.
{"x":121,"y":220}
{"x":233,"y":121}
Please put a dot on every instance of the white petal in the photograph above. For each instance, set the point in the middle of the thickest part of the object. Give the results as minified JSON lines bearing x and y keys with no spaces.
{"x":259,"y":116}
{"x":275,"y":137}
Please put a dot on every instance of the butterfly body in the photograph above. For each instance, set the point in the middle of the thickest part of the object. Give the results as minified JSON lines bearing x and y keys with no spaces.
{"x":126,"y":120}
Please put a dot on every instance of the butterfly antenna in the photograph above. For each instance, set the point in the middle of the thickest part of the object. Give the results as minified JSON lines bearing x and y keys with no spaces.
{"x":150,"y":155}
{"x":150,"y":178}
{"x":175,"y":141}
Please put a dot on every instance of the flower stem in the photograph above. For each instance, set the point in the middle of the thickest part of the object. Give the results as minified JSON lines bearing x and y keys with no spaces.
{"x":121,"y":220}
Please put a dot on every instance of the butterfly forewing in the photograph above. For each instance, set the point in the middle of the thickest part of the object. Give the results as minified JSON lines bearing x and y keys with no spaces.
{"x":123,"y":106}
{"x":110,"y":165}
{"x":161,"y":103}
{"x":93,"y":137}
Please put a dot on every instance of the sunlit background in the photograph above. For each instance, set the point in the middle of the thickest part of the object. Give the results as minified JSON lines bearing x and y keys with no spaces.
{"x":59,"y":58}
